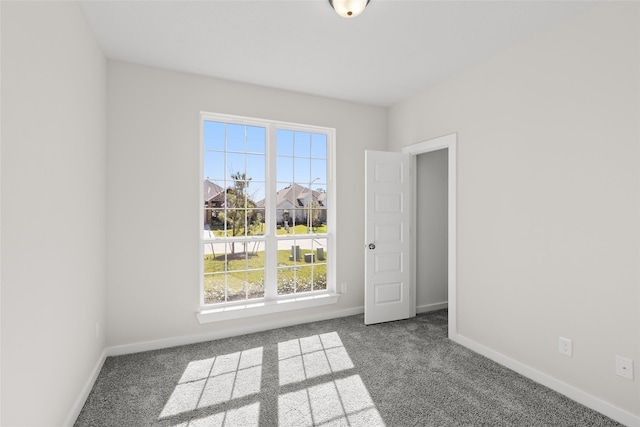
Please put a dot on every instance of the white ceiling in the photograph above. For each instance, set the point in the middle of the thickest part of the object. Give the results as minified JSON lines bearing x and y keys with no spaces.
{"x":393,"y":50}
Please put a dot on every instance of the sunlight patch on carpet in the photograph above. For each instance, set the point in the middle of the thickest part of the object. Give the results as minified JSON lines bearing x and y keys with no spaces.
{"x":344,"y":401}
{"x":216,"y":380}
{"x":316,"y":384}
{"x":311,"y":357}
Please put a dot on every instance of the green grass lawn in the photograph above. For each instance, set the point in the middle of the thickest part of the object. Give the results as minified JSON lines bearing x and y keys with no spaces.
{"x":302,"y":229}
{"x":292,"y":276}
{"x":298,"y":229}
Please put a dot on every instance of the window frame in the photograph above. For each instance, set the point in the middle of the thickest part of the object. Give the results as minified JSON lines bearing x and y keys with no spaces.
{"x":271,"y":302}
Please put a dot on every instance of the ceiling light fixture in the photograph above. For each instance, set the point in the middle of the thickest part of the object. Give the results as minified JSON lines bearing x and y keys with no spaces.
{"x":348,"y":8}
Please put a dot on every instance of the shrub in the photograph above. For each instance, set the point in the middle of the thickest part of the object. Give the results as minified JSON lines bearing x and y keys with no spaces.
{"x":251,"y":290}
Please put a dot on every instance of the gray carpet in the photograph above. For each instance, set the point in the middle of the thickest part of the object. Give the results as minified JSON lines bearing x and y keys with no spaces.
{"x":331,"y":373}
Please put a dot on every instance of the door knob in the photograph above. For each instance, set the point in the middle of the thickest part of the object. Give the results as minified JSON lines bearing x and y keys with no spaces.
{"x":372,"y":246}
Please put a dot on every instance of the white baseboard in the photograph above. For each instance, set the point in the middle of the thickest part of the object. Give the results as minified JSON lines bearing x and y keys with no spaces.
{"x":431,"y":307}
{"x":84,"y":394}
{"x":248,"y":329}
{"x":592,"y":402}
{"x":228,"y":332}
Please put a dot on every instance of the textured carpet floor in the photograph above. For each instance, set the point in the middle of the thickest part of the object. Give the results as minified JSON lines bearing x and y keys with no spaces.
{"x":333,"y":373}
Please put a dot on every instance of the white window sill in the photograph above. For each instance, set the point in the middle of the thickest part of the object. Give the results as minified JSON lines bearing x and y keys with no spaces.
{"x":217,"y":314}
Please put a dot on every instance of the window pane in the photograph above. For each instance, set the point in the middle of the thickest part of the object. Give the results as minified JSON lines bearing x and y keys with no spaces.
{"x":236,"y":257}
{"x":213,"y":167}
{"x":215,"y":279}
{"x":236,"y":286}
{"x":240,"y":182}
{"x":284,"y":142}
{"x":321,"y":190}
{"x":256,"y":167}
{"x":255,"y":269}
{"x":298,"y":195}
{"x":214,"y":192}
{"x":319,"y":146}
{"x":317,"y":218}
{"x":211,"y":265}
{"x":236,"y":138}
{"x":302,"y":147}
{"x":236,"y":163}
{"x":255,"y":284}
{"x":256,"y":139}
{"x":289,"y":253}
{"x":213,"y":135}
{"x":255,"y":257}
{"x":214,"y":288}
{"x":236,"y":197}
{"x":302,"y":201}
{"x":320,"y":278}
{"x":213,"y":223}
{"x":320,"y":251}
{"x":302,"y":170}
{"x":257,"y":225}
{"x":283,"y":226}
{"x":308,"y":221}
{"x":319,"y":221}
{"x":256,"y":194}
{"x":304,"y":278}
{"x":236,"y":222}
{"x":308,"y":251}
{"x":285,"y":196}
{"x":299,"y":221}
{"x":286,"y":281}
{"x":284,"y":166}
{"x":319,"y":170}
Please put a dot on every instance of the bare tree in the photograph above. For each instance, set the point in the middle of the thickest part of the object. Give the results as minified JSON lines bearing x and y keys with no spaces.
{"x":239,"y":207}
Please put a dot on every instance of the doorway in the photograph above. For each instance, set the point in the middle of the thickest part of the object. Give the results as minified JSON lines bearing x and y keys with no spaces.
{"x":440,"y":147}
{"x":431,"y":212}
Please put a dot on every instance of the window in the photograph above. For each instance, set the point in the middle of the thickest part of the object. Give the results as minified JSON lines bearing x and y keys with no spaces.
{"x":267,"y":210}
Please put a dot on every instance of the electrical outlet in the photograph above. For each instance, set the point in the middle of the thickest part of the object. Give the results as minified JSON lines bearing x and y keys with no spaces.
{"x":343,"y":288}
{"x":624,"y":367}
{"x":565,"y":346}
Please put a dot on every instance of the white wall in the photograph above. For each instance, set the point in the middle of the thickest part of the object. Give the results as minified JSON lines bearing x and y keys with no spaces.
{"x":154,"y":186}
{"x":431,"y":228}
{"x":548,"y":197}
{"x":53,"y":209}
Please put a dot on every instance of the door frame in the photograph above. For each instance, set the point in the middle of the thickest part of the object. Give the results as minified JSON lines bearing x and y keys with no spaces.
{"x":449,"y":142}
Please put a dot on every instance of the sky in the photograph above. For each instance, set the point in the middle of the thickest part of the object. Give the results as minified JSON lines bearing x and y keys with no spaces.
{"x":230,"y":148}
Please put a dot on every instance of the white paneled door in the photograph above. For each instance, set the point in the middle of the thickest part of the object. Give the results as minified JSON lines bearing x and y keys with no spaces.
{"x":387,"y":248}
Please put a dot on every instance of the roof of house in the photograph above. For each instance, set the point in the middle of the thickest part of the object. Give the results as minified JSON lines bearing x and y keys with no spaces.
{"x":214,"y":193}
{"x":296,"y":196}
{"x":211,"y":190}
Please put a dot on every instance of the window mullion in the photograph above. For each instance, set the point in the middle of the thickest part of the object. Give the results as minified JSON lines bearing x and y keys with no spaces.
{"x":271,"y":250}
